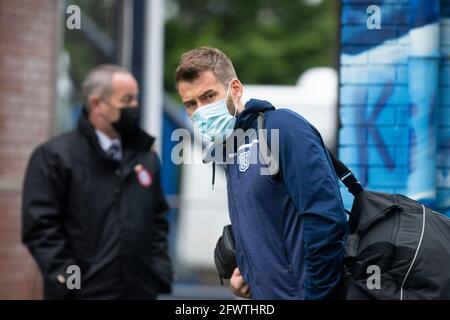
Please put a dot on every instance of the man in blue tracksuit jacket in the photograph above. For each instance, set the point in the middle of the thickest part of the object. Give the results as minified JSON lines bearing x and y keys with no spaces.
{"x":289,"y":227}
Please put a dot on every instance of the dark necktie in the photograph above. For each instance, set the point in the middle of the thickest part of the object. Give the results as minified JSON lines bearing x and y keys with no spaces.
{"x":114,"y":152}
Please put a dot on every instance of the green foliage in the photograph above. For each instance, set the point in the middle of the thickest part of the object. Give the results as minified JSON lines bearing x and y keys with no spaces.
{"x":269,"y":41}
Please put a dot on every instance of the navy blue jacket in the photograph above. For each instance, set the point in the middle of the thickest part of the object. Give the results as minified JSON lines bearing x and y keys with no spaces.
{"x":290,"y":228}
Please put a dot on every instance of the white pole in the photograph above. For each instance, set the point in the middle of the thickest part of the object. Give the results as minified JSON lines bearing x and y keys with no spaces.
{"x":126,"y":37}
{"x":153,"y":70}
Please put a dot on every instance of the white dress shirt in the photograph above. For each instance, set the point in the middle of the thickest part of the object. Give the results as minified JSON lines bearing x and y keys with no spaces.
{"x":106,"y":143}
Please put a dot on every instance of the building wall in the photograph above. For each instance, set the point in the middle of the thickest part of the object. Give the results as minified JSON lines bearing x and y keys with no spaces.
{"x":395,"y":98}
{"x":27,"y":84}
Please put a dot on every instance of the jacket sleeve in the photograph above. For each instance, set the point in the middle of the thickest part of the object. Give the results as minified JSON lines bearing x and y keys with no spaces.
{"x":162,"y":265}
{"x":312,"y":185}
{"x":42,"y":220}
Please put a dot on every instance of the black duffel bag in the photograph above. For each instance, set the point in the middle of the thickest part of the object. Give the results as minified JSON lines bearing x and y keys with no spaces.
{"x":397,"y":240}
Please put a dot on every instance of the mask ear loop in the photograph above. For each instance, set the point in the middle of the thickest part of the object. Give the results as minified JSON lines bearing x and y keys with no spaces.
{"x":226,"y":97}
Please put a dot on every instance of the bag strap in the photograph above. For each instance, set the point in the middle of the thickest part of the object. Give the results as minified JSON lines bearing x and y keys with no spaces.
{"x":345,"y":175}
{"x":343,"y":172}
{"x":273,"y":165}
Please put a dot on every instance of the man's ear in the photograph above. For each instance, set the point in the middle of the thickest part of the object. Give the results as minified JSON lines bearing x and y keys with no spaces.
{"x":237,"y":88}
{"x":93,"y":103}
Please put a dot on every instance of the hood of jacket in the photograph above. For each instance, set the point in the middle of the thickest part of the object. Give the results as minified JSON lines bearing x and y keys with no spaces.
{"x":247,"y":118}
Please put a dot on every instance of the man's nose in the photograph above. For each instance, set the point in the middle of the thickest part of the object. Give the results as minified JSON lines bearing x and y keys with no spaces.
{"x":134,"y":103}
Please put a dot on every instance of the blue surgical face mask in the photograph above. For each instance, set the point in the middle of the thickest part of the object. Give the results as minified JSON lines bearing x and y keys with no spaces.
{"x":214,"y":121}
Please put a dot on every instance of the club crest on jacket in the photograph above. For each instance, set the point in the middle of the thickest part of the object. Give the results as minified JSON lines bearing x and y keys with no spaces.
{"x":143,"y":176}
{"x":244,"y":161}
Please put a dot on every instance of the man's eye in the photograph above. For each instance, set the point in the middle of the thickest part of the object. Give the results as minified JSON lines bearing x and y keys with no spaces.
{"x":209,"y":97}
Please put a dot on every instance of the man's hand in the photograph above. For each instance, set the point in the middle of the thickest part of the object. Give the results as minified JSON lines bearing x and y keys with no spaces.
{"x":238,"y":285}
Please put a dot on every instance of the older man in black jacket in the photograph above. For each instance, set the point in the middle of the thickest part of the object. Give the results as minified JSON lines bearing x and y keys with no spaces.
{"x":92,"y":200}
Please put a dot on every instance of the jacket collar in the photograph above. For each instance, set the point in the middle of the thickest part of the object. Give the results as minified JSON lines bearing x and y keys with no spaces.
{"x":139,"y":141}
{"x":247,"y":118}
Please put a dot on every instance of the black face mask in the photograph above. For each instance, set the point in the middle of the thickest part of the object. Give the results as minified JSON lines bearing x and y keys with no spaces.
{"x":128,"y":121}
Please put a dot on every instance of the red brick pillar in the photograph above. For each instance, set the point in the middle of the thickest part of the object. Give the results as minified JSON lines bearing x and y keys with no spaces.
{"x":28,"y":52}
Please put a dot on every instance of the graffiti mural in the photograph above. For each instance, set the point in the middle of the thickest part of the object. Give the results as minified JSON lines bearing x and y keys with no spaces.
{"x":395,"y":97}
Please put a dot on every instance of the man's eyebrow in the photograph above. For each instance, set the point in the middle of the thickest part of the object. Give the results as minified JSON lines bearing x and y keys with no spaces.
{"x":128,"y":95}
{"x":187,"y":102}
{"x":207,"y":92}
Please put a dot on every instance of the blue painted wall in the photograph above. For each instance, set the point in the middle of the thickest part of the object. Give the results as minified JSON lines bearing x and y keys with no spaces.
{"x":395,"y":98}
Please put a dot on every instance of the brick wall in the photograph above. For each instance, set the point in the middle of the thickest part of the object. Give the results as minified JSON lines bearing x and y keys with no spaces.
{"x":374,"y":95}
{"x":377,"y":137}
{"x":27,"y":84}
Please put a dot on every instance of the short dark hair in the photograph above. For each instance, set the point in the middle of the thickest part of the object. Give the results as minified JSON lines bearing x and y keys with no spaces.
{"x":198,"y":60}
